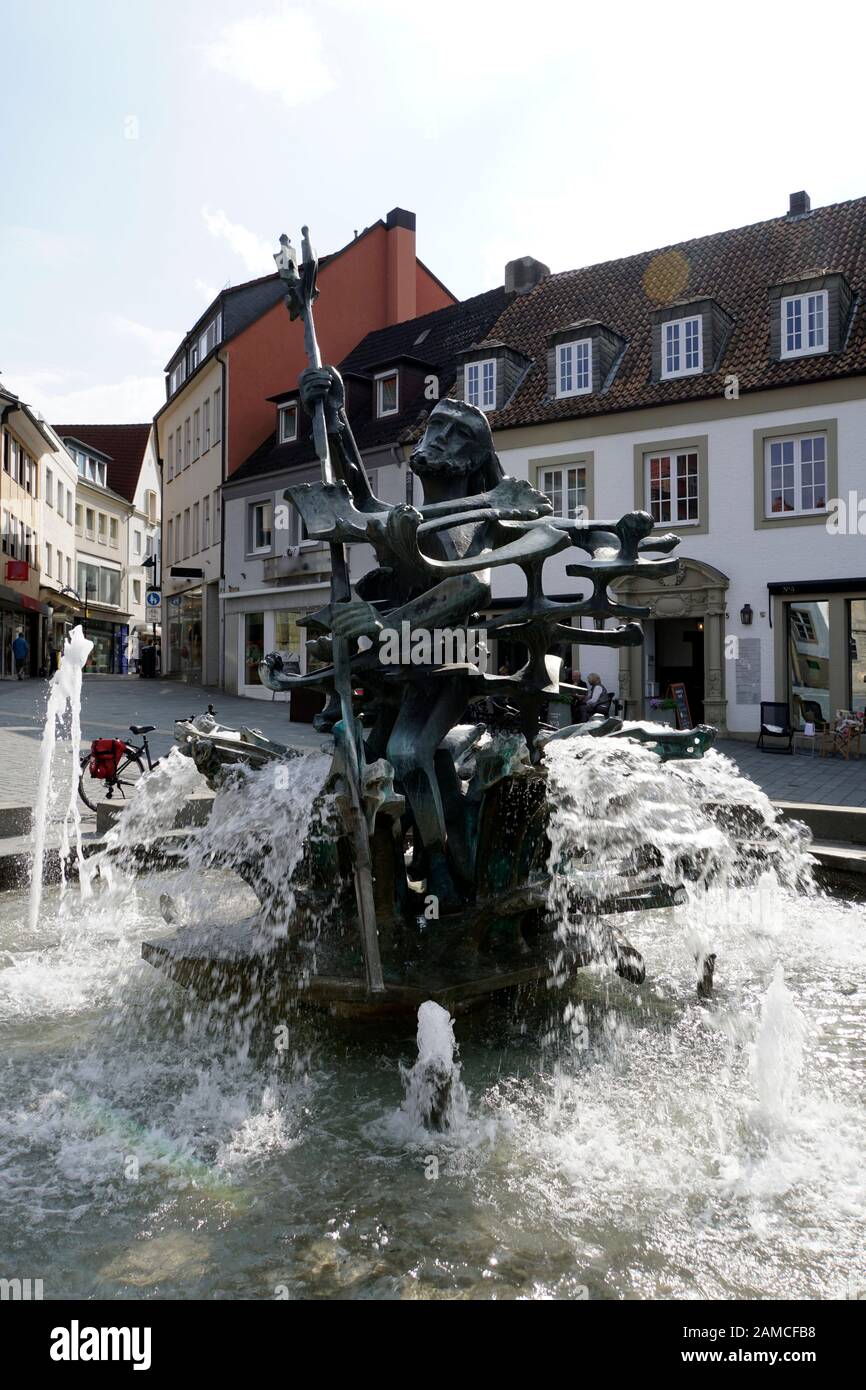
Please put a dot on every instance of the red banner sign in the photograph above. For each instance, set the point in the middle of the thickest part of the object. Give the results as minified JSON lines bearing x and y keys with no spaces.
{"x":17,"y":569}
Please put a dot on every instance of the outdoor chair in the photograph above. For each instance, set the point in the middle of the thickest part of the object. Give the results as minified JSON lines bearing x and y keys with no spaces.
{"x":776,"y":724}
{"x":811,"y":713}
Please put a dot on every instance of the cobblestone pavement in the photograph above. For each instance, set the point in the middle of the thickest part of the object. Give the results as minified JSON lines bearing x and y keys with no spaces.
{"x":111,"y":703}
{"x":802,"y":776}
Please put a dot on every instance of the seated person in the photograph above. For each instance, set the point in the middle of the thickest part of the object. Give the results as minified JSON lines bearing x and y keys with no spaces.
{"x":598,"y":700}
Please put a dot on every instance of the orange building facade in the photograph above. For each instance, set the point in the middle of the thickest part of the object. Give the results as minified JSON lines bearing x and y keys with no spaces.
{"x":243,"y":350}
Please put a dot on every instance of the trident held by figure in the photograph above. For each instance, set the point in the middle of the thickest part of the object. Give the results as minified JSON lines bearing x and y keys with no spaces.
{"x":300,"y":282}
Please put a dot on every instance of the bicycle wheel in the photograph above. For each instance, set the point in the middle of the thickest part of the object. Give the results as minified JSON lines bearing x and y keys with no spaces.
{"x":99,"y":791}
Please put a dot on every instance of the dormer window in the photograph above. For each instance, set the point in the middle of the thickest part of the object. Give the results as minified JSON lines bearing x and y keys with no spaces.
{"x":210,"y":337}
{"x":574,"y":368}
{"x":287,"y":416}
{"x":177,"y":376}
{"x":804,"y":324}
{"x":810,"y":316}
{"x":682,"y":347}
{"x":481,"y":383}
{"x":387,"y":394}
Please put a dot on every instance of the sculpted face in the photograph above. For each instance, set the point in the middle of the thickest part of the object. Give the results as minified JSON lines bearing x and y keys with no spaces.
{"x":456,"y":442}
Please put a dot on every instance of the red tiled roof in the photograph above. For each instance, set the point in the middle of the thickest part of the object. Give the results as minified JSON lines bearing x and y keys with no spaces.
{"x":735,"y":268}
{"x":123,"y":444}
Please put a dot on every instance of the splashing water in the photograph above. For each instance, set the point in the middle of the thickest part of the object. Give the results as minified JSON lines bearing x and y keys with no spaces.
{"x":64,"y":701}
{"x":435,"y":1095}
{"x":636,"y":1142}
{"x":259,"y":817}
{"x":617,"y":814}
{"x":777,"y":1053}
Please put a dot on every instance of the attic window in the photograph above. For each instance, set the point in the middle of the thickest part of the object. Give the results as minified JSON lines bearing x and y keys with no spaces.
{"x":177,"y":375}
{"x":387,"y":394}
{"x":682,"y":347}
{"x":804,"y":324}
{"x":210,"y":337}
{"x":574,"y":368}
{"x":481,"y":383}
{"x":288,"y":423}
{"x":421,"y":336}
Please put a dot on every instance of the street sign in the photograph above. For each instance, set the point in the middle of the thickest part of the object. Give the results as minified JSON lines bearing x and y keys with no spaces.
{"x":154,"y":598}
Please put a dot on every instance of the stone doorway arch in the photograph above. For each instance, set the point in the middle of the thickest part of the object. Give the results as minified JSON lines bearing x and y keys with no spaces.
{"x":697,"y":591}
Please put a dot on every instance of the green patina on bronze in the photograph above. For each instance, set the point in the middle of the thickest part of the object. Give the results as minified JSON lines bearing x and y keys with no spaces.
{"x":438,"y":860}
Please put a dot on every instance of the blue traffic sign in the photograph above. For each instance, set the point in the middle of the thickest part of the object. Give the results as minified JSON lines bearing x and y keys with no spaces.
{"x":154,"y":598}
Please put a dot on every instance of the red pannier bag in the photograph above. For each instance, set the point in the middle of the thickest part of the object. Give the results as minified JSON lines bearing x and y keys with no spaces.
{"x":105,"y":754}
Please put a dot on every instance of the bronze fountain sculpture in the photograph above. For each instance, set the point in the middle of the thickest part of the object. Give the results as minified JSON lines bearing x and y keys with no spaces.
{"x":433,"y":880}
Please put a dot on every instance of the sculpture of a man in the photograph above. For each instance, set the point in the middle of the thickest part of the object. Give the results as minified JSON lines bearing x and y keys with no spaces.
{"x":434,"y":573}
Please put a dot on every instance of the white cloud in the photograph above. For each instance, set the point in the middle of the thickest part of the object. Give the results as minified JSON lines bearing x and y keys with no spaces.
{"x":256,"y":253}
{"x":278,"y":54}
{"x":130,"y":401}
{"x":207,"y":292}
{"x":159,"y":343}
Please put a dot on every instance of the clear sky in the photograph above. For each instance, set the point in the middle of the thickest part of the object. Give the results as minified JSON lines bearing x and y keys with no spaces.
{"x":152,"y":152}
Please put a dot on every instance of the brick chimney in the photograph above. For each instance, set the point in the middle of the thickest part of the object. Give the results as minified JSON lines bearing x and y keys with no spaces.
{"x":799,"y":204}
{"x":401,"y":271}
{"x":524,"y":274}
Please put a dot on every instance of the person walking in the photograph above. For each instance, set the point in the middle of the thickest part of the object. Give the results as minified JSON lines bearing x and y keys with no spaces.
{"x":20,"y":651}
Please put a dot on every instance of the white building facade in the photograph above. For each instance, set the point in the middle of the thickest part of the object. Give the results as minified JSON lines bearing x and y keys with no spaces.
{"x":769,"y":604}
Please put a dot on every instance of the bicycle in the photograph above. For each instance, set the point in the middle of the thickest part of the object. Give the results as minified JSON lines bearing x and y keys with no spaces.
{"x":121,"y":769}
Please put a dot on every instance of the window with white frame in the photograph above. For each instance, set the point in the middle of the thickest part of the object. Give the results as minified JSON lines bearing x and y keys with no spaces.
{"x":178,"y":451}
{"x":565,"y":487}
{"x":387,"y":394}
{"x":795,"y":478}
{"x":210,"y":337}
{"x":59,"y":502}
{"x":288,"y":423}
{"x":217,"y":533}
{"x":196,"y":434}
{"x":682,"y":347}
{"x":804,"y":627}
{"x":48,"y":560}
{"x":196,"y":528}
{"x":187,"y":442}
{"x":672,"y":487}
{"x":185,"y":554}
{"x":259,"y":526}
{"x":177,"y":376}
{"x":205,"y":523}
{"x":574,"y":368}
{"x":481,"y":383}
{"x":169,"y":542}
{"x":217,"y":415}
{"x":804,"y":324}
{"x":49,"y":487}
{"x":205,"y":416}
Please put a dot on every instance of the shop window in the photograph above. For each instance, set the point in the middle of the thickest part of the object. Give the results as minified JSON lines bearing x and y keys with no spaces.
{"x":809,"y":661}
{"x":254,"y":646}
{"x":857,"y":652}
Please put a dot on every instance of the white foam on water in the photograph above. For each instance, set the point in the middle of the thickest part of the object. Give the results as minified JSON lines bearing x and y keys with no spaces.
{"x":652,"y":1146}
{"x":435,"y":1096}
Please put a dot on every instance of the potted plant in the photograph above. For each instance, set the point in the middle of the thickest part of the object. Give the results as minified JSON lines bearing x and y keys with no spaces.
{"x":663,"y":710}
